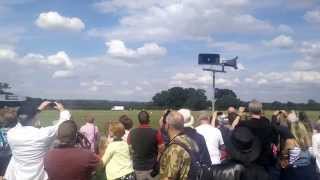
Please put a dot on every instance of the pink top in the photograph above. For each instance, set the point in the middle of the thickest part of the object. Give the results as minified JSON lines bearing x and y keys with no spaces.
{"x":91,"y":132}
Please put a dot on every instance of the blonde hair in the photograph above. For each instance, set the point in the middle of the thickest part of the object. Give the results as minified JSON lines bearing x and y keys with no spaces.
{"x":301,"y":134}
{"x":117,"y":129}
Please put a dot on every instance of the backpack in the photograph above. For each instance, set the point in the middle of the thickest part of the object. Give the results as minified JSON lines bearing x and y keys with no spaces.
{"x":197,"y":170}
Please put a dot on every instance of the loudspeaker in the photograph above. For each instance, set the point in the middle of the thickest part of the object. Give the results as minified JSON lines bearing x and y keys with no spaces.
{"x":231,"y":62}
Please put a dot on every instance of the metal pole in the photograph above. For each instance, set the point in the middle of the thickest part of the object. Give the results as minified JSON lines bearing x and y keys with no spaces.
{"x":213,"y":90}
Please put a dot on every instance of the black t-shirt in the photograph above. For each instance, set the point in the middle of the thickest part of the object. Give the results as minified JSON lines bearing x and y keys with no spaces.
{"x":144,"y":144}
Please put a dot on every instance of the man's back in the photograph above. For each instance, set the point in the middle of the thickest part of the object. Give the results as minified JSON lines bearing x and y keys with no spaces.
{"x":70,"y":163}
{"x":29,"y":145}
{"x":213,"y":139}
{"x":175,"y":161}
{"x":202,"y":152}
{"x":262,"y":129}
{"x":144,"y":142}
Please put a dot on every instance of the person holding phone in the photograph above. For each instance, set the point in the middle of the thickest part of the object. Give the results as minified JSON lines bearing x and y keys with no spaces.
{"x":30,"y":144}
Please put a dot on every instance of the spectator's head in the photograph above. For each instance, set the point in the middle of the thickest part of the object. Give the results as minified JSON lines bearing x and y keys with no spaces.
{"x":232,"y":109}
{"x":8,"y":117}
{"x":303,"y":117}
{"x":67,"y":133}
{"x":90,"y":118}
{"x":204,"y":118}
{"x":174,"y":123}
{"x":143,"y":117}
{"x":232,"y":116}
{"x":299,"y":131}
{"x":26,"y":115}
{"x":292,"y":117}
{"x":126,"y":121}
{"x":116,"y":130}
{"x":187,"y":117}
{"x":255,"y":107}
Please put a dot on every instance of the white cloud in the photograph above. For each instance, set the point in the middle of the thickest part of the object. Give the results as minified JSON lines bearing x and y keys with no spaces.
{"x":285,"y":29}
{"x":281,"y":41}
{"x":233,"y":47}
{"x":240,"y":66}
{"x":311,"y":56}
{"x":200,"y":80}
{"x":166,"y":20}
{"x":117,"y":49}
{"x":62,"y":74}
{"x":54,"y":21}
{"x":313,"y":17}
{"x":138,"y":88}
{"x":289,"y":77}
{"x":60,"y":59}
{"x":95,"y":85}
{"x":93,"y":88}
{"x":7,"y":54}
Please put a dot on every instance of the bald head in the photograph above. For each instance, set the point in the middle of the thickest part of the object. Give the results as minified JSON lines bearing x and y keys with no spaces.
{"x":175,"y":120}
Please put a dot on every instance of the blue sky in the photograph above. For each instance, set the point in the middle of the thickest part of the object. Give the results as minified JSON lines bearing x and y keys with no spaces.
{"x":129,"y":50}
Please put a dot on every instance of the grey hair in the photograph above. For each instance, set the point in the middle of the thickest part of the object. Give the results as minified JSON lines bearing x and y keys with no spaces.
{"x":255,"y":107}
{"x":175,"y":120}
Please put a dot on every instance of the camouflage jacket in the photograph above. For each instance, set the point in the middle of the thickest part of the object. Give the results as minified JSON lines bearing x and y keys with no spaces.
{"x":175,"y":161}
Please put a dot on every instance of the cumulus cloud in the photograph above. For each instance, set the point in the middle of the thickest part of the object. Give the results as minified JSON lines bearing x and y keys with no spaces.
{"x":200,"y":80}
{"x":59,"y":62}
{"x":313,"y":17}
{"x":62,"y":74}
{"x":7,"y":54}
{"x":60,"y":59}
{"x":95,"y":85}
{"x":118,"y":49}
{"x":290,"y":77}
{"x":54,"y":21}
{"x":283,"y":28}
{"x":281,"y":41}
{"x":168,"y":20}
{"x":311,"y":55}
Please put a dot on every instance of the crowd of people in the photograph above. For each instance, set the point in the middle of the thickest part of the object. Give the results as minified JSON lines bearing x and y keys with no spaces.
{"x":241,"y":144}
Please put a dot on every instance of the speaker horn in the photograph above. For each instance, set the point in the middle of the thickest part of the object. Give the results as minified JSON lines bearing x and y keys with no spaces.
{"x":231,"y":63}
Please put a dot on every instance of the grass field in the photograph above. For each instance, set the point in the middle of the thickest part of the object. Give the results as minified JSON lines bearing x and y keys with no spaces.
{"x":103,"y":116}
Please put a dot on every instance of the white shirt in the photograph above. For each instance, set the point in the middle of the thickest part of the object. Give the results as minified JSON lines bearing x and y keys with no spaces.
{"x":29,"y":145}
{"x":316,"y":147}
{"x":213,"y":138}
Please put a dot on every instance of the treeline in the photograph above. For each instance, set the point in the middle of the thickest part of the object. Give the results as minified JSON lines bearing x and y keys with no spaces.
{"x":92,"y":104}
{"x":196,"y":99}
{"x":174,"y":98}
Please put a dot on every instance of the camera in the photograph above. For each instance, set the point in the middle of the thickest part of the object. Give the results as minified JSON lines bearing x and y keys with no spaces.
{"x":52,"y":105}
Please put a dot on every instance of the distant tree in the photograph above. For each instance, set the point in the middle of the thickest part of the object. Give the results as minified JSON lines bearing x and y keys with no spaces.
{"x":219,"y":93}
{"x":228,"y":100}
{"x":178,"y":97}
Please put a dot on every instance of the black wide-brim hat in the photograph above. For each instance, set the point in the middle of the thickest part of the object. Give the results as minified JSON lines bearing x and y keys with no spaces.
{"x":243,"y":146}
